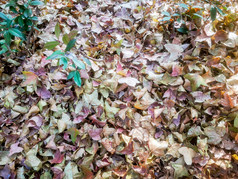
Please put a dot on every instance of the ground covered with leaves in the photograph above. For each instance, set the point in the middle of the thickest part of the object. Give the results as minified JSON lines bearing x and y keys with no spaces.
{"x":155,"y":95}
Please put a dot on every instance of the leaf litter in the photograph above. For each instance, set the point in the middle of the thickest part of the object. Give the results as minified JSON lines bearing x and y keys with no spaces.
{"x":155,"y":103}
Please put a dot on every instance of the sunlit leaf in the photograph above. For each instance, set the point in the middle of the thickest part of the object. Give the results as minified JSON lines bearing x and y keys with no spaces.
{"x":36,"y":3}
{"x":184,"y":5}
{"x":77,"y":78}
{"x":3,"y":16}
{"x":70,"y":45}
{"x":51,"y":45}
{"x":56,"y":54}
{"x":65,"y":39}
{"x":63,"y":61}
{"x":57,"y":30}
{"x":86,"y":60}
{"x":17,"y":33}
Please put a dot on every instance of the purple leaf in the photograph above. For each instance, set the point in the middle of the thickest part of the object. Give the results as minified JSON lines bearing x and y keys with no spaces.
{"x":15,"y":149}
{"x":43,"y":93}
{"x":95,"y":133}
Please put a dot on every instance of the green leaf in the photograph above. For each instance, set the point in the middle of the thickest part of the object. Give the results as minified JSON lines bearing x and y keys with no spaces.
{"x":236,"y":122}
{"x":198,"y":15}
{"x":176,"y":15}
{"x":26,"y":13}
{"x":56,"y":54}
{"x":36,"y":3}
{"x":183,"y":30}
{"x":77,"y":78}
{"x":29,"y":22}
{"x":184,"y":5}
{"x":213,"y":13}
{"x":87,"y":61}
{"x":57,"y":30}
{"x":66,"y":39}
{"x":34,"y":18}
{"x":9,"y":23}
{"x":36,"y":28}
{"x":233,"y":129}
{"x":7,"y":37}
{"x":166,"y":13}
{"x":198,"y":7}
{"x":225,"y":8}
{"x":3,"y":16}
{"x":78,"y":63}
{"x":195,"y":80}
{"x":3,"y":24}
{"x":70,"y":45}
{"x":2,"y":41}
{"x":166,"y":18}
{"x":4,"y":49}
{"x":71,"y":75}
{"x":73,"y":34}
{"x":13,"y":9}
{"x":51,"y":45}
{"x":63,"y":61}
{"x":20,"y":21}
{"x":220,"y":11}
{"x":16,"y":33}
{"x":73,"y":133}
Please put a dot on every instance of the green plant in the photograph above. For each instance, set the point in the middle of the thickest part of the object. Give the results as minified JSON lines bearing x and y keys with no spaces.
{"x":216,"y":7}
{"x":24,"y":15}
{"x":182,"y":14}
{"x":66,"y":57}
{"x":18,"y":23}
{"x":9,"y":30}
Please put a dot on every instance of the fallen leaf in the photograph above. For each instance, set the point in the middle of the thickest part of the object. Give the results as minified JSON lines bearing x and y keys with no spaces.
{"x":5,"y":172}
{"x":196,"y":81}
{"x":220,"y":35}
{"x":157,"y":147}
{"x":129,"y":81}
{"x":30,"y":78}
{"x":174,"y":50}
{"x":58,"y":157}
{"x":15,"y":149}
{"x":43,"y":93}
{"x":188,"y":154}
{"x":95,"y":133}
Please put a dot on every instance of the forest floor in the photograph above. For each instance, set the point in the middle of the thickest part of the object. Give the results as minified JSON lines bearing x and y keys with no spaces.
{"x":148,"y":89}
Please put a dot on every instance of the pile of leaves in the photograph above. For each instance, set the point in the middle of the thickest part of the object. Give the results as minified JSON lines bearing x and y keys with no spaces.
{"x":154,"y":94}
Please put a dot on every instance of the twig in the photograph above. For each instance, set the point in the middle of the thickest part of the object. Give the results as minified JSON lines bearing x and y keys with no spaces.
{"x":10,"y":50}
{"x":29,"y":36}
{"x":86,"y":56}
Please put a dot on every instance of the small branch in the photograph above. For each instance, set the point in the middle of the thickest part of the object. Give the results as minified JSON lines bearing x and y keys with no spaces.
{"x":29,"y":37}
{"x":10,"y":50}
{"x":93,"y":59}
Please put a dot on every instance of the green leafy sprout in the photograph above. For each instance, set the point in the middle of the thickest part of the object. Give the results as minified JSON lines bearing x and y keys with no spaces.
{"x":18,"y":24}
{"x":65,"y":56}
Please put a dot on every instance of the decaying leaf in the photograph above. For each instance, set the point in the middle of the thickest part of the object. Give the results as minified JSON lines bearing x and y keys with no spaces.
{"x":188,"y":154}
{"x":157,"y":147}
{"x":30,"y":78}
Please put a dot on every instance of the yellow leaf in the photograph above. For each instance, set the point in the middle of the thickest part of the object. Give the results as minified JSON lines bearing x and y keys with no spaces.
{"x":122,"y":73}
{"x":31,"y":78}
{"x":137,"y":105}
{"x":235,"y":157}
